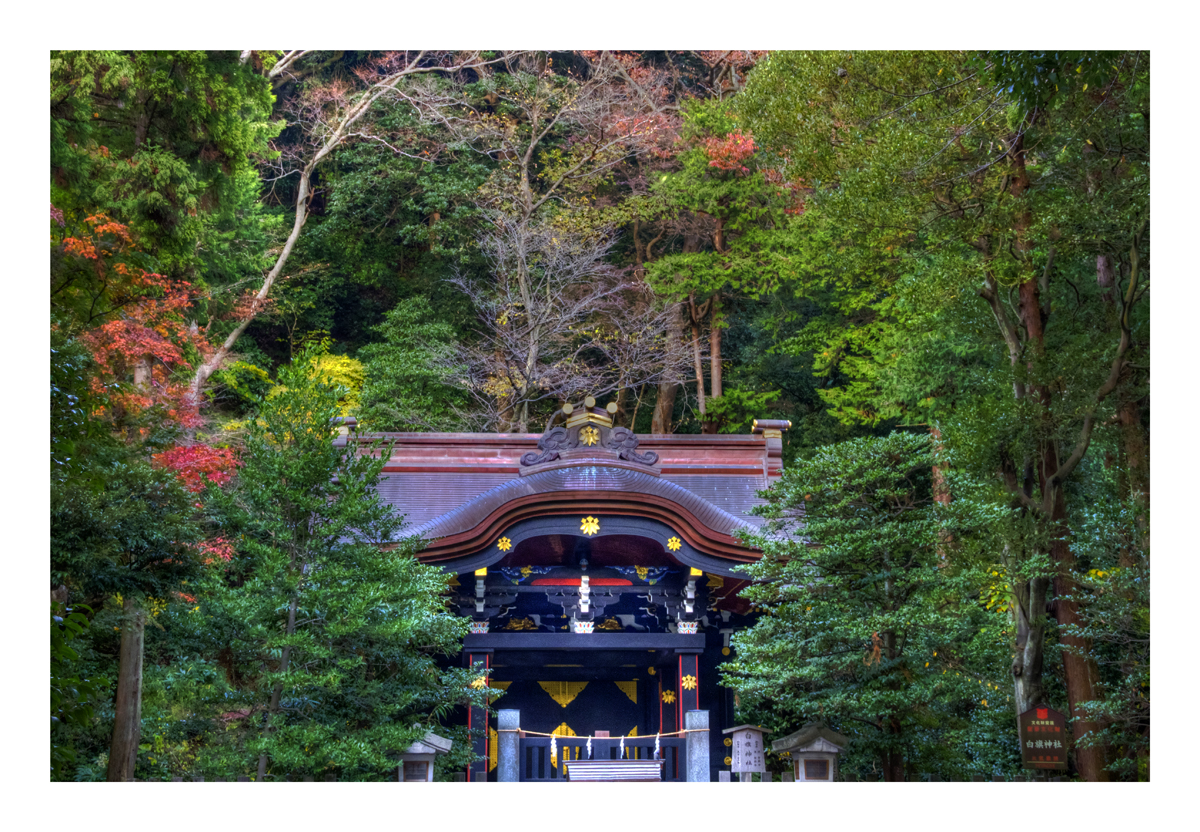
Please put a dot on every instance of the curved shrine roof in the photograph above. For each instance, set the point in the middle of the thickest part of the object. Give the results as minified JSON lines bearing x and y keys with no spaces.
{"x":456,"y":489}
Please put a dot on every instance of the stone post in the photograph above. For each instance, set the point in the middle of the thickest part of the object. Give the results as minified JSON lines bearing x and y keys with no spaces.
{"x":508,"y":768}
{"x":696,"y":723}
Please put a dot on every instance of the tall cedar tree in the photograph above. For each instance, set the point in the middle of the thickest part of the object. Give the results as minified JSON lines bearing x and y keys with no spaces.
{"x":863,"y":625}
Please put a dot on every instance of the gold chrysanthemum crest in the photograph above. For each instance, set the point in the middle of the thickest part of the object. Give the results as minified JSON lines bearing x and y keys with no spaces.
{"x":590,"y":525}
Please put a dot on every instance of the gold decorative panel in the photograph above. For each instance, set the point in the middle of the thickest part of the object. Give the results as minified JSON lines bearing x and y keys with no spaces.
{"x":563,"y":693}
{"x":629,"y":689}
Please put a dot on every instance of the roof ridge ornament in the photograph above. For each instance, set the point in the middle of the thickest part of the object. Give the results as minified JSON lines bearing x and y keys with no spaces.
{"x":587,"y":435}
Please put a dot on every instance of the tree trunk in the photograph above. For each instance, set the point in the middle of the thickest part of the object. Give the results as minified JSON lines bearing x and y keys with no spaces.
{"x":893,"y":761}
{"x":664,"y":407}
{"x":207,"y":368}
{"x":1081,"y":672}
{"x":1029,"y":617}
{"x":1135,"y":439}
{"x":127,"y":728}
{"x":699,"y":368}
{"x":1134,"y":436}
{"x":622,"y":398}
{"x":941,"y":491}
{"x":714,"y":360}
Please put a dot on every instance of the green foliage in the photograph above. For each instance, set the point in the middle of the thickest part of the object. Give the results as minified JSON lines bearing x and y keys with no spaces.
{"x":721,"y":177}
{"x":1113,"y":591}
{"x":155,"y":138}
{"x":1035,"y":79}
{"x":736,"y":409}
{"x":408,"y":375}
{"x":73,"y":694}
{"x":72,"y":432}
{"x":134,"y":535}
{"x":245,"y":384}
{"x":864,"y":623}
{"x":336,"y":636}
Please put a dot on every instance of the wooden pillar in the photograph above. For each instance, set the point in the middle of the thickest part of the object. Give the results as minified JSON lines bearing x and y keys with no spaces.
{"x":688,"y":685}
{"x":477,"y":724}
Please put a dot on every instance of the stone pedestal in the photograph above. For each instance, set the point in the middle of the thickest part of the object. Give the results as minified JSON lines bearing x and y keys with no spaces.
{"x":509,"y":742}
{"x":696,"y":723}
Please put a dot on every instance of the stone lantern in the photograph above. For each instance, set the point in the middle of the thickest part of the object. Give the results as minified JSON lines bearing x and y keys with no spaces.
{"x":814,"y":751}
{"x":416,"y":763}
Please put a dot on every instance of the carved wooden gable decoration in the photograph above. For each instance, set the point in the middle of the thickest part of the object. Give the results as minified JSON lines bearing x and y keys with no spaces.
{"x":585,"y":434}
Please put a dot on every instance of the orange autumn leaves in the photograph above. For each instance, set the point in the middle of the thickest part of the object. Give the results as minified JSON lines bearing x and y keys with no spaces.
{"x":146,"y":336}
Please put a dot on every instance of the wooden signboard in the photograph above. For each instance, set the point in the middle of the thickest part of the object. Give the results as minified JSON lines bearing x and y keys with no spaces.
{"x":747,"y":749}
{"x":1044,"y":738}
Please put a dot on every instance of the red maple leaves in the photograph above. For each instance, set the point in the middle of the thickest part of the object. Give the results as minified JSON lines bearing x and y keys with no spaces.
{"x":199,"y":464}
{"x":729,"y":152}
{"x":218,"y":548}
{"x":146,"y":337}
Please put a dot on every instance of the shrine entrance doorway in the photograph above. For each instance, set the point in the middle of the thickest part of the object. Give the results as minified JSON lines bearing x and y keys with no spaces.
{"x":570,"y":709}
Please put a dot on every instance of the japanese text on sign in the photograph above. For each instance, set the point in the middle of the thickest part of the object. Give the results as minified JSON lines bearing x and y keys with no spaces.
{"x":1043,"y":738}
{"x":748,"y":752}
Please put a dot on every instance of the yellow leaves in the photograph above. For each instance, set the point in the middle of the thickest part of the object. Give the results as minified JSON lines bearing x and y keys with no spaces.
{"x":983,"y":702}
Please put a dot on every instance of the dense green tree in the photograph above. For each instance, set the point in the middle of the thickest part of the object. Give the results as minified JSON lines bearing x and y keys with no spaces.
{"x":721,"y":182}
{"x":939,"y":191}
{"x":409,"y":377}
{"x":864,"y":623}
{"x":324,"y":606}
{"x":158,"y":139}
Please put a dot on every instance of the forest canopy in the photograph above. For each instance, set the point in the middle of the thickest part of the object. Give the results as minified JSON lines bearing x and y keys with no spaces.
{"x":936,"y":265}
